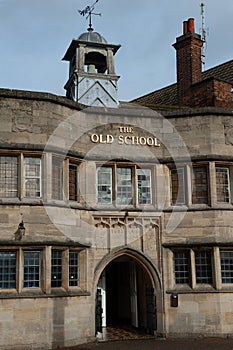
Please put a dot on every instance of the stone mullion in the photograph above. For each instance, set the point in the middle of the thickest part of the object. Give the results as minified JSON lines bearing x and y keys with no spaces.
{"x":21,"y":176}
{"x":217,"y":268}
{"x":65,"y":269}
{"x":188,"y":185}
{"x":134,"y":187}
{"x":47,"y":270}
{"x":19,"y":281}
{"x":192,"y":269}
{"x":160,"y":186}
{"x":66,"y":180}
{"x":47,"y":176}
{"x":114,"y":185}
{"x":212,"y":185}
{"x":84,"y":272}
{"x":142,"y":232}
{"x":167,"y":186}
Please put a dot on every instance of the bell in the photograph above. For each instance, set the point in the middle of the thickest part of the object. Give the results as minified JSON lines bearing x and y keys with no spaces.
{"x":91,"y":69}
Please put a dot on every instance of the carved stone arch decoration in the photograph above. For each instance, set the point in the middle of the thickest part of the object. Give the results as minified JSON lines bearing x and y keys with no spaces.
{"x":102,"y":223}
{"x":135,"y":235}
{"x":117,"y":222}
{"x":150,"y":270}
{"x":152,"y":242}
{"x":117,"y":233}
{"x":102,"y":234}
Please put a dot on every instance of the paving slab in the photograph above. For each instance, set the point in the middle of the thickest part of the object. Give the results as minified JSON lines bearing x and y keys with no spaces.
{"x":161,"y":344}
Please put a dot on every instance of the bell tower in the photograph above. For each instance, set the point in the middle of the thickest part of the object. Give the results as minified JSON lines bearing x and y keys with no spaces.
{"x":92,"y":78}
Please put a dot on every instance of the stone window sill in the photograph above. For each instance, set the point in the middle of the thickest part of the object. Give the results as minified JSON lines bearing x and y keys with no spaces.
{"x":39,"y":294}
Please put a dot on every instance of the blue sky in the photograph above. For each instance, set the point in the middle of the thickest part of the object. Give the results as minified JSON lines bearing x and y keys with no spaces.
{"x":34,"y":36}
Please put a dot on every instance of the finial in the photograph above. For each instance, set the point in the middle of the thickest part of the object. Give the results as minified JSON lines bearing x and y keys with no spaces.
{"x":89,"y":12}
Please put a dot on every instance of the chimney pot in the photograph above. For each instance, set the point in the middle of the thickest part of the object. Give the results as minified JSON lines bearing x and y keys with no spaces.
{"x":191,"y":26}
{"x":185,"y":27}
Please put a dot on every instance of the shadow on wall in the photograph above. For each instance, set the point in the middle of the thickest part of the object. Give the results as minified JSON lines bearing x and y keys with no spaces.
{"x":58,"y":325}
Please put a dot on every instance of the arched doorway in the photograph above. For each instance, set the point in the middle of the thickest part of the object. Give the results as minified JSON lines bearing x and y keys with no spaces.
{"x":126,"y":295}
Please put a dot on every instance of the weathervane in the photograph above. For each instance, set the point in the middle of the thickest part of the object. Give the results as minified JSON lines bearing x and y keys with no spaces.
{"x":89,"y":12}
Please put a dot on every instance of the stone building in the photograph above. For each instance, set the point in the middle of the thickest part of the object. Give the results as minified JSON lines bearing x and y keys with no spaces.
{"x":117,"y":214}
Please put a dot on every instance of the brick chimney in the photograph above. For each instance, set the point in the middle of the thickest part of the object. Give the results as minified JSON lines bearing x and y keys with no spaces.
{"x":188,"y":59}
{"x":192,"y":90}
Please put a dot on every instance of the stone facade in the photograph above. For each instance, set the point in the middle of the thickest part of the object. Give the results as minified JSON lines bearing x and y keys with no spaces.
{"x":114,"y":216}
{"x":132,"y":234}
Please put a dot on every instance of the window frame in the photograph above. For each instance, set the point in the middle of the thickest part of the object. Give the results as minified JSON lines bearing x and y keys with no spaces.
{"x":145,"y":187}
{"x":196,"y":200}
{"x":25,"y":178}
{"x":29,"y":268}
{"x":192,"y":268}
{"x":225,"y":167}
{"x":55,"y":269}
{"x":57,"y":192}
{"x":105,"y":184}
{"x":205,"y":267}
{"x":76,"y":185}
{"x":134,"y":185}
{"x":43,"y":284}
{"x":15,"y":185}
{"x":222,"y":250}
{"x":185,"y":271}
{"x":127,"y":188}
{"x":182,"y":182}
{"x":9,"y":267}
{"x":72,"y":267}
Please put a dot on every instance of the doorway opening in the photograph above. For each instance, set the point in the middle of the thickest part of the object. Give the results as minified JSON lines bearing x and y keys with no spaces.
{"x":125,"y":298}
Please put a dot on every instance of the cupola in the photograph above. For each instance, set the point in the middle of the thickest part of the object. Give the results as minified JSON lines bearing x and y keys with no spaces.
{"x":92,"y":78}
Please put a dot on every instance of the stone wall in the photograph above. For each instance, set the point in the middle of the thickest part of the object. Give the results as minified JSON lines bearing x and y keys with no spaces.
{"x":62,"y":318}
{"x":45,"y":323}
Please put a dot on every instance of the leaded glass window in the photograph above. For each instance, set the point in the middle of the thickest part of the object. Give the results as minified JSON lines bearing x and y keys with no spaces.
{"x":200,"y":185}
{"x":182,"y":267}
{"x":7,"y":270}
{"x":57,"y":178}
{"x":32,"y":177}
{"x":73,"y":268}
{"x":73,"y":182}
{"x":223,"y":185}
{"x":56,"y":268}
{"x":124,"y":186}
{"x":104,"y":185}
{"x":227,"y":266}
{"x":144,"y":186}
{"x":178,"y":195}
{"x":203,"y":267}
{"x":8,"y":177}
{"x":31,"y":269}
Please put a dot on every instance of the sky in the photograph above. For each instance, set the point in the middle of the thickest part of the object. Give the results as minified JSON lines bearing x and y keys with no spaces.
{"x":34,"y":36}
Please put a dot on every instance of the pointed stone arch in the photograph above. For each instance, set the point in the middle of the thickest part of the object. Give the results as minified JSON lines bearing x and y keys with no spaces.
{"x":147,"y":266}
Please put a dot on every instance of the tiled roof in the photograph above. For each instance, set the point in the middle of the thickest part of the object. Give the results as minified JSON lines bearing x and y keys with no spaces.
{"x":168,"y":95}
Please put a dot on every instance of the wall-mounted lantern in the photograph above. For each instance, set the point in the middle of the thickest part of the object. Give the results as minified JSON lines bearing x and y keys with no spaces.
{"x":20,"y":231}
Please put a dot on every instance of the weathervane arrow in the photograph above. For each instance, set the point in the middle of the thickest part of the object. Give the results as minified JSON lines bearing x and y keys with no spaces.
{"x":89,"y":11}
{"x":85,"y":11}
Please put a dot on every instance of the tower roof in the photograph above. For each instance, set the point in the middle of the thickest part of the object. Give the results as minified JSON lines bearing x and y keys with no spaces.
{"x":93,"y":37}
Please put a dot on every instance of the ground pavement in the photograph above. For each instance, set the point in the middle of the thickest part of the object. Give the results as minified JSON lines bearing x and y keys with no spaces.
{"x":160,"y":344}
